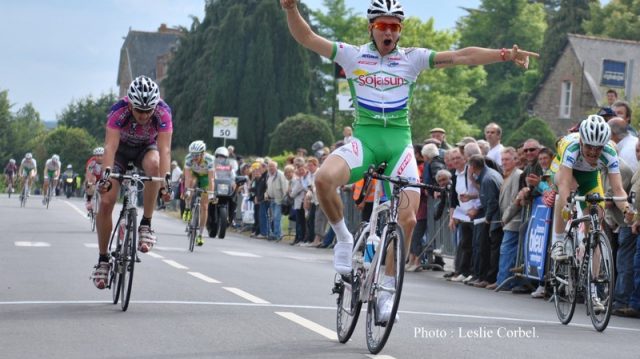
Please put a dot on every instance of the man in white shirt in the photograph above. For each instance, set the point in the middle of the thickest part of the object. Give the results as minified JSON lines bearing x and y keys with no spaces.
{"x":493,"y":135}
{"x":176,"y":172}
{"x":625,"y":142}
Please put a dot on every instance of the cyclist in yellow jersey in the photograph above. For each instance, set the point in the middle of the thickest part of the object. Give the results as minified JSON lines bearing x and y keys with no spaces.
{"x":581,"y":156}
{"x":381,"y":77}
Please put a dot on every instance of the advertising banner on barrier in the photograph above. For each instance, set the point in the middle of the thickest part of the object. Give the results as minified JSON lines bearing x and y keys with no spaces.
{"x":538,"y":232}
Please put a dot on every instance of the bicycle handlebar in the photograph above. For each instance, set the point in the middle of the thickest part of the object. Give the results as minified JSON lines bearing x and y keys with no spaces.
{"x":402,"y":182}
{"x":596,"y":198}
{"x":136,"y":178}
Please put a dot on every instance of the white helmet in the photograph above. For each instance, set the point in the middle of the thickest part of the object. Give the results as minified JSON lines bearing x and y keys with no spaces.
{"x":69,"y":166}
{"x":12,"y":161}
{"x":385,"y":8}
{"x":143,"y":93}
{"x":98,"y":151}
{"x":221,"y":151}
{"x":595,"y":131}
{"x":55,"y":158}
{"x":197,"y":147}
{"x":28,"y":156}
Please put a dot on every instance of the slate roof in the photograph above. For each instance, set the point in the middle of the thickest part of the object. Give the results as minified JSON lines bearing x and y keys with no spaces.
{"x":592,"y":51}
{"x":142,"y":49}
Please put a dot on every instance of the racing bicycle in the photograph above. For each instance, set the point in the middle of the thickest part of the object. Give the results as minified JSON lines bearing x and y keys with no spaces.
{"x":588,"y":270}
{"x":193,"y":223}
{"x":123,"y":244}
{"x":365,"y":284}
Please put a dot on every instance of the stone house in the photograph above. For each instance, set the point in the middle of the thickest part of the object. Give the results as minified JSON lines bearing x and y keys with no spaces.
{"x":577,"y":84}
{"x":147,"y":53}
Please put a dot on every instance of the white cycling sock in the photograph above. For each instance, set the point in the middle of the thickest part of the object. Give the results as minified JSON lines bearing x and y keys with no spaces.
{"x":342,"y":232}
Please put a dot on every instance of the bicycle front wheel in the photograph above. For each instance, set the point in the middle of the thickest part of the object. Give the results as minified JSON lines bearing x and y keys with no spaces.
{"x":565,"y":289}
{"x":348,"y":289}
{"x":378,"y":328}
{"x":115,"y":276}
{"x":194,"y":226}
{"x":600,"y":281}
{"x":128,"y":254}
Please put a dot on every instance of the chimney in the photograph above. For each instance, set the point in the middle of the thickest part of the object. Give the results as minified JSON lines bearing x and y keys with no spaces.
{"x":162,"y":28}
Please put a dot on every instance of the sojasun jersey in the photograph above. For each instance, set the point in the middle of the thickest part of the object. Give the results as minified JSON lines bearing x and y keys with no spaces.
{"x":381,"y":86}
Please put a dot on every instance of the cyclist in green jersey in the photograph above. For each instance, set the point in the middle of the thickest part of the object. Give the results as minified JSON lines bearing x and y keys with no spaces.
{"x":381,"y":77}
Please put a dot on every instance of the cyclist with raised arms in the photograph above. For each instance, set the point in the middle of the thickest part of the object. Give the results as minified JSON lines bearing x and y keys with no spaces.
{"x":93,"y":173}
{"x":28,"y":170}
{"x":580,"y":158}
{"x":51,"y":174}
{"x":199,"y":169}
{"x":139,"y":130}
{"x":381,"y":77}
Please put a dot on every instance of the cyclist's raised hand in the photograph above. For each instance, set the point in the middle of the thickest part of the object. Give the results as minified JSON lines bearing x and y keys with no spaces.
{"x":288,"y":4}
{"x":521,"y":57}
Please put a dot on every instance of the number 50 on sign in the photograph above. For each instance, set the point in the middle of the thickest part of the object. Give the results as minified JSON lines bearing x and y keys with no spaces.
{"x":225,"y":127}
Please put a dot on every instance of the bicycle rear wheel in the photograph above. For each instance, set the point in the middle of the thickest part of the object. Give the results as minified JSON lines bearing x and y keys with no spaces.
{"x":348,"y":289}
{"x":128,"y":254}
{"x":600,"y":264}
{"x":378,"y":331}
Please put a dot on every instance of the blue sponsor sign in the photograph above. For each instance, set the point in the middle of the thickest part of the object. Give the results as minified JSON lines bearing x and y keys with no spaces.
{"x":613,"y":73}
{"x":536,"y":238}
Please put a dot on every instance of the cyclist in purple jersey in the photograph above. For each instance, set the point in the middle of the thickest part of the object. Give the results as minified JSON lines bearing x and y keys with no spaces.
{"x":139,"y":130}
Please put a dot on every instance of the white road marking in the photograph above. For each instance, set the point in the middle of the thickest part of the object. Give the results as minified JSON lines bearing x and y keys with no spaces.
{"x":82,"y":214}
{"x":91,"y":245}
{"x":154,"y":255}
{"x":174,"y":264}
{"x":380,"y":356}
{"x":241,"y":254}
{"x":250,"y":297}
{"x":315,"y":327}
{"x":170,"y":249}
{"x":293,"y":306}
{"x":31,"y":244}
{"x":204,"y":277}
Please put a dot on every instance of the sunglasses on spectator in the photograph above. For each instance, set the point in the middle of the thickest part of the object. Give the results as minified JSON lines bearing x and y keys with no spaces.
{"x":383,"y":26}
{"x":144,"y":112}
{"x":530,"y":149}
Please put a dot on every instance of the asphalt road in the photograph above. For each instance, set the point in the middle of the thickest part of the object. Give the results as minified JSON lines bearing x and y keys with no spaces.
{"x":246,"y":298}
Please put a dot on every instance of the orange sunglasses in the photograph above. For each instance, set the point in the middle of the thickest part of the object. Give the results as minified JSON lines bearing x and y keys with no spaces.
{"x":383,"y":26}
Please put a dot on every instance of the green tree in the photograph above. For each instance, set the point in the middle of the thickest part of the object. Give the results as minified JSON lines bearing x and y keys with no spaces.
{"x":299,"y":131}
{"x":619,"y":19}
{"x":73,"y":145}
{"x":536,"y":128}
{"x":240,"y":61}
{"x":89,"y":113}
{"x":500,"y":24}
{"x":25,"y":128}
{"x":568,"y":18}
{"x":5,"y":123}
{"x":441,"y":96}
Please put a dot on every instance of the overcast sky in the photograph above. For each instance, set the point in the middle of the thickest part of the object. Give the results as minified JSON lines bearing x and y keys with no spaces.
{"x":57,"y":51}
